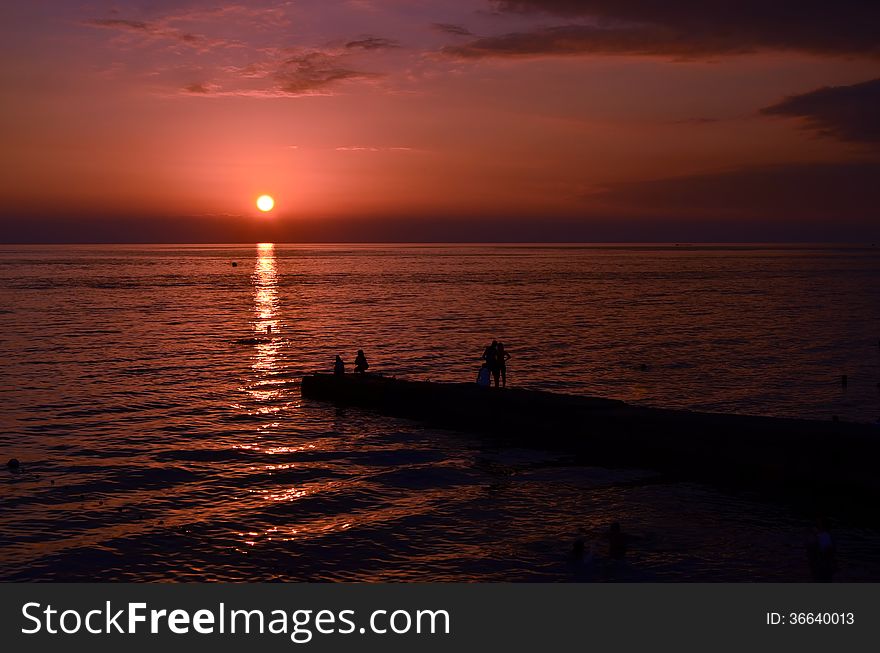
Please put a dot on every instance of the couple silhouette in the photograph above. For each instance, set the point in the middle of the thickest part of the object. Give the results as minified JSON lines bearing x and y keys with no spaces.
{"x":495,"y":359}
{"x":360,"y":364}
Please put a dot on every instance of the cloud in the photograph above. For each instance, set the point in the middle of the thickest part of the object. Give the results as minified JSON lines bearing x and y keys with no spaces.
{"x":245,"y":69}
{"x":314,"y":71}
{"x":113,"y":23}
{"x":369,"y":148}
{"x":198,"y":88}
{"x":162,"y":31}
{"x":686,"y":28}
{"x":588,"y":39}
{"x":276,"y":15}
{"x":164,"y":25}
{"x":452,"y":28}
{"x":810,"y":191}
{"x":284,"y":73}
{"x":372,"y":43}
{"x":847,"y":113}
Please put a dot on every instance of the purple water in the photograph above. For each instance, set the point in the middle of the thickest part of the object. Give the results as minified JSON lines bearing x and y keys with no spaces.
{"x":163,"y":435}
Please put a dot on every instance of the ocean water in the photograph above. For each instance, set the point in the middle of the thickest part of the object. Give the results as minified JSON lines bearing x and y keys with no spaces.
{"x":163,"y":435}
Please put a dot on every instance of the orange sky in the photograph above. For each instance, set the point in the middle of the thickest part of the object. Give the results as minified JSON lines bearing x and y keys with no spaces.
{"x":455,"y":113}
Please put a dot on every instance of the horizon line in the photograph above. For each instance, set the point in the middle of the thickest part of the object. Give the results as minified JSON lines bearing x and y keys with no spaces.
{"x":557,"y":243}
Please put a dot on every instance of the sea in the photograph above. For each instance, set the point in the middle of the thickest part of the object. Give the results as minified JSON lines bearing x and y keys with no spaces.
{"x":152,"y":396}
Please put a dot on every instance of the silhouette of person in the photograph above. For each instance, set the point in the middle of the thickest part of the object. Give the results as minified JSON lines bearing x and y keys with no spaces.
{"x":360,"y":363}
{"x":339,"y":366}
{"x":489,"y":352}
{"x":490,"y":355}
{"x":502,"y":357}
{"x":821,"y":551}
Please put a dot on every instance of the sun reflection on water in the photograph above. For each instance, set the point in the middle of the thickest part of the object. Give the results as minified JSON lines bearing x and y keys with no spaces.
{"x":271,"y":407}
{"x":266,"y":324}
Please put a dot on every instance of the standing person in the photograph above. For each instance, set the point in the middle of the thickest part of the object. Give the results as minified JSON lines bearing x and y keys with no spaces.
{"x":360,"y":363}
{"x":503,"y":357}
{"x":490,"y":355}
{"x":339,"y":366}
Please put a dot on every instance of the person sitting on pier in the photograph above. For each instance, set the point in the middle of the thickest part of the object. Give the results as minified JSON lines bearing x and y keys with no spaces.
{"x":339,"y":366}
{"x":360,"y":363}
{"x":484,"y":378}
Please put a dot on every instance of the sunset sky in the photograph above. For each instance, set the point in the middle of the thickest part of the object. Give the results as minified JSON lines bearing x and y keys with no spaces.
{"x":411,"y":120}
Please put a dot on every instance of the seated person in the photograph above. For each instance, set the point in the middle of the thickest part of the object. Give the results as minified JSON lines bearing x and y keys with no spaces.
{"x":483,"y":377}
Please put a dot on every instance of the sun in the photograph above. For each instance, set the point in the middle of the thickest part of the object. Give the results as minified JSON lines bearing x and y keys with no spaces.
{"x":265,"y":203}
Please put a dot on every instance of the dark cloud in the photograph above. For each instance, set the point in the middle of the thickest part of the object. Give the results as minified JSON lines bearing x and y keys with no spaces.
{"x":848,"y":113}
{"x":452,"y":28}
{"x":587,"y":39}
{"x":372,"y":43}
{"x":688,"y":28}
{"x":131,"y":25}
{"x":197,"y":88}
{"x":314,"y":71}
{"x":778,"y":193}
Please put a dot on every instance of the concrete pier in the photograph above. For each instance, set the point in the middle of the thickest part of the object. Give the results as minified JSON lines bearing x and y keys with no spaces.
{"x":822,"y":457}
